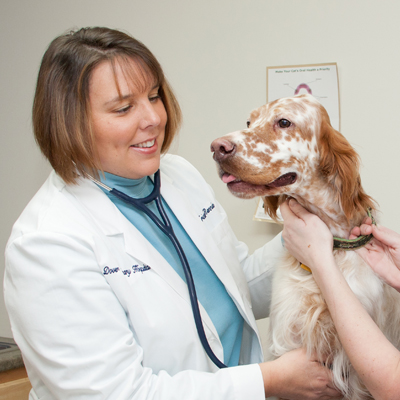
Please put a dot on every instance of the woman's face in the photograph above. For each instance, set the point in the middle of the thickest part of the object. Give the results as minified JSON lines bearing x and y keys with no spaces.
{"x":128,"y":129}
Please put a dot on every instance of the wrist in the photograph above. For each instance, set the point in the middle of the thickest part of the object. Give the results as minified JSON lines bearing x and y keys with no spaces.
{"x":270,"y":379}
{"x":321,"y":262}
{"x":323,"y":268}
{"x":326,"y":273}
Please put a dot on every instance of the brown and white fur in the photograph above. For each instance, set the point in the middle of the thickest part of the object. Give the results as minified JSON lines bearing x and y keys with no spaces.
{"x":290,"y":149}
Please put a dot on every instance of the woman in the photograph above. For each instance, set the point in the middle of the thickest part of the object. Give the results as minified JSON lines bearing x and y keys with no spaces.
{"x":374,"y":358}
{"x":96,"y":294}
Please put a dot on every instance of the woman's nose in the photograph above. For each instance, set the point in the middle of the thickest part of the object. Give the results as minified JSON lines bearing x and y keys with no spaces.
{"x":150,"y":116}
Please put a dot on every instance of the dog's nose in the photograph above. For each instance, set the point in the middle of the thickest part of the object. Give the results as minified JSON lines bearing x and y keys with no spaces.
{"x":222,"y":149}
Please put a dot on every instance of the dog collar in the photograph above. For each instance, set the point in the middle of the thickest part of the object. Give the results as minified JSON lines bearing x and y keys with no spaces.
{"x":353,"y":244}
{"x":349,"y":244}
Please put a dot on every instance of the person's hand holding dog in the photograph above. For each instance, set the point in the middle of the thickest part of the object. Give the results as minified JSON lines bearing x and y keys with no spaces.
{"x":382,"y":253}
{"x":305,"y":235}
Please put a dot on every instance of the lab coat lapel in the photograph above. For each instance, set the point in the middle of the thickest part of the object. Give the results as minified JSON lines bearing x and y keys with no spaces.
{"x":113,"y":223}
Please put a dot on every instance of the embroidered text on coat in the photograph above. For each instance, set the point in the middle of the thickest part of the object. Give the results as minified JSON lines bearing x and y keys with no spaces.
{"x":136,"y":268}
{"x":206,"y":211}
{"x":127,"y":272}
{"x":108,"y":271}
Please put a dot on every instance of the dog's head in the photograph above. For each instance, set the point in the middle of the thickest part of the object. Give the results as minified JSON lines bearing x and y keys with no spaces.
{"x":290,"y":149}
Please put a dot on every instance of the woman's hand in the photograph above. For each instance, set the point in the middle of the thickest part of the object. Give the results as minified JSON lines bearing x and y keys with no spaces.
{"x":305,"y":235}
{"x":296,"y":376}
{"x":382,"y":253}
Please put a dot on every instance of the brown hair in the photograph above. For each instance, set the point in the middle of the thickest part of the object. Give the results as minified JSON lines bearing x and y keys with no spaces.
{"x":61,"y":114}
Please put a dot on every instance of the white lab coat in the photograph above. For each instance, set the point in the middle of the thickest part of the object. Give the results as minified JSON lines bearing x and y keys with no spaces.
{"x":99,"y":314}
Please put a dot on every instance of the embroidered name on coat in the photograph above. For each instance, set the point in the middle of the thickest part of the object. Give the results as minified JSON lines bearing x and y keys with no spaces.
{"x":126,"y":272}
{"x":206,"y":211}
{"x":108,"y":271}
{"x":136,"y":268}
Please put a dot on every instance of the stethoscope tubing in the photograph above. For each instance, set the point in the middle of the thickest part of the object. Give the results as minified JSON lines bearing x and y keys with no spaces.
{"x":166,"y":227}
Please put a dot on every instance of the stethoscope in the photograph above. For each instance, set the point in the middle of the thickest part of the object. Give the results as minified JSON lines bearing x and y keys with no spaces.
{"x":165,"y":226}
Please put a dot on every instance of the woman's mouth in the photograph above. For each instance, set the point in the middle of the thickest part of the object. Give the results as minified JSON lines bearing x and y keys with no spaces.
{"x":145,"y":145}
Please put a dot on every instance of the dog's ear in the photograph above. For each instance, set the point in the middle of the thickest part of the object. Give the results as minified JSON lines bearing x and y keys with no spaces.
{"x":339,"y":163}
{"x":271,"y":204}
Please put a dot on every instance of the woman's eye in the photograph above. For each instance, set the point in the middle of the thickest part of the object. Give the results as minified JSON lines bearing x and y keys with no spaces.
{"x":284,"y":123}
{"x":248,"y":123}
{"x":123,"y":110}
{"x":153,"y":99}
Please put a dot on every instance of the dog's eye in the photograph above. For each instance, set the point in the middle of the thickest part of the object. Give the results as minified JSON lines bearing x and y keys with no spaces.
{"x":284,"y":123}
{"x":248,"y":123}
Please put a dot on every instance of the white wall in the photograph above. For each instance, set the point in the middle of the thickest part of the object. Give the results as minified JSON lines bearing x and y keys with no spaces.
{"x":215,"y":54}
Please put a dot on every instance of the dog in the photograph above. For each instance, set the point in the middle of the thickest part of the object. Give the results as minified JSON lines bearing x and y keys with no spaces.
{"x":290,"y":149}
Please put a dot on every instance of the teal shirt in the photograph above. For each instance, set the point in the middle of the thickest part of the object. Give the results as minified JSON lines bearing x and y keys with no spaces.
{"x":211,"y":292}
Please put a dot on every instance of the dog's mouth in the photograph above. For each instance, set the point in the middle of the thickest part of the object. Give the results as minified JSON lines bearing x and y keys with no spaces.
{"x":283,"y":180}
{"x":236,"y":185}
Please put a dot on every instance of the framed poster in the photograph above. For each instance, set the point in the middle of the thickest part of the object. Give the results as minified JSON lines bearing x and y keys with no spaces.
{"x":319,"y":80}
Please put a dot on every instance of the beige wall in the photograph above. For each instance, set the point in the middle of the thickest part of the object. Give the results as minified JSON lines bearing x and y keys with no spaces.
{"x":215,"y":54}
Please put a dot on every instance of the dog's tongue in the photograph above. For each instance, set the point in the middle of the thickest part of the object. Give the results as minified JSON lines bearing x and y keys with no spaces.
{"x":226,"y":178}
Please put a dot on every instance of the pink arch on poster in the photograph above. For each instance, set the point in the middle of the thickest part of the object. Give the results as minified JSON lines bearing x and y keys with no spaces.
{"x":303,"y":86}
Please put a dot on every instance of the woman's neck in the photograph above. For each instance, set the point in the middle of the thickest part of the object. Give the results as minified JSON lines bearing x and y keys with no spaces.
{"x":133,"y":187}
